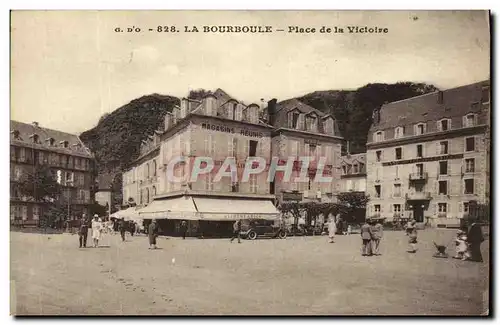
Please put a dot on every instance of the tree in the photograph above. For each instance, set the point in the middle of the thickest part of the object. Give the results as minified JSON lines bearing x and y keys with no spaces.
{"x":53,"y":217}
{"x":353,"y":205}
{"x":198,"y":94}
{"x":311,"y":210}
{"x":96,"y":208}
{"x":40,"y":185}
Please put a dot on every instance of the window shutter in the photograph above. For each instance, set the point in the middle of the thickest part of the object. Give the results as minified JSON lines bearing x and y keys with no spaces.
{"x":318,"y":151}
{"x":438,"y":148}
{"x":290,"y":120}
{"x":464,"y":121}
{"x":476,"y":143}
{"x":439,"y":128}
{"x":207,"y":145}
{"x":307,"y":152}
{"x":448,"y":164}
{"x":212,"y":145}
{"x":245,"y":147}
{"x":301,"y":121}
{"x":460,"y":206}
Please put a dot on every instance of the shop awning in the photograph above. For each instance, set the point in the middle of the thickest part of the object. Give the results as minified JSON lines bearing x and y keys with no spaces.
{"x":170,"y":208}
{"x":221,"y":209}
{"x":127,"y":214}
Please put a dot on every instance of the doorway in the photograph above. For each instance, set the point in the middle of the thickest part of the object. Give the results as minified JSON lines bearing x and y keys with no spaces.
{"x":418,"y":211}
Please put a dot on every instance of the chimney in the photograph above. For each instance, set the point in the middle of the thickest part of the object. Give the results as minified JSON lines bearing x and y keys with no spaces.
{"x":440,"y":97}
{"x":271,"y":111}
{"x":184,"y":108}
{"x":35,"y":124}
{"x":168,"y":121}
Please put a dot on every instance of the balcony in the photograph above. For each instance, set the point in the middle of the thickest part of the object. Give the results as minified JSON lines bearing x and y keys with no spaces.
{"x":418,"y":196}
{"x":418,"y":176}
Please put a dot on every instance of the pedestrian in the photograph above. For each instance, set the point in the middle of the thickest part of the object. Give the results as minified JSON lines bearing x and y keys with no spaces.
{"x":184,"y":228}
{"x":152,"y":234}
{"x":236,"y":231}
{"x":411,"y":230}
{"x":377,"y":234}
{"x":366,"y":237}
{"x":96,"y":230}
{"x":131,"y":227}
{"x":332,"y":230}
{"x":461,"y":246}
{"x":349,"y":229}
{"x":122,"y":227}
{"x":474,"y":239}
{"x":83,"y":231}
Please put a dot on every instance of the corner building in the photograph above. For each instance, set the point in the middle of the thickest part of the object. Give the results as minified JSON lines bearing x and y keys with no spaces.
{"x":427,"y":156}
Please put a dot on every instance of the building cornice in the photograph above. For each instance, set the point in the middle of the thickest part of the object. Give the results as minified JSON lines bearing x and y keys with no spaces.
{"x":427,"y":137}
{"x":64,"y":151}
{"x":194,"y":193}
{"x":311,"y":134}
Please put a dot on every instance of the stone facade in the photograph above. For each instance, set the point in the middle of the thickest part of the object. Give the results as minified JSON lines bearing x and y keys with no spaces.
{"x":430,"y":161}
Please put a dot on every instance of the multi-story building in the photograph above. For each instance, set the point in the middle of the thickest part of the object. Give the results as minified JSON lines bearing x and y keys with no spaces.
{"x":427,"y":156}
{"x":67,"y":157}
{"x":301,"y":130}
{"x":218,"y":127}
{"x":353,"y":169}
{"x":104,"y":192}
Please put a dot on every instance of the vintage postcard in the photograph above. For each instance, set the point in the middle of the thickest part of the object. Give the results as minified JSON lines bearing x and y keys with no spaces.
{"x":250,"y":163}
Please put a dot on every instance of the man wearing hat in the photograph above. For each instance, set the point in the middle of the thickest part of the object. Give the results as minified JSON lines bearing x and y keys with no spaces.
{"x":83,"y":231}
{"x":366,"y":237}
{"x":377,"y":234}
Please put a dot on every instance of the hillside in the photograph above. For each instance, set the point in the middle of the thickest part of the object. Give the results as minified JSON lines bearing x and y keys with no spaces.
{"x":117,"y":137}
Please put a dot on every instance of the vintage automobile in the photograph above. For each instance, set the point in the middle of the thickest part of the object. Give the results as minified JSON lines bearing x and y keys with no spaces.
{"x":253,"y":228}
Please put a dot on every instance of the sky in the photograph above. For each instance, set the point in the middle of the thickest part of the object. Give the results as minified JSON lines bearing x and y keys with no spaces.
{"x":68,"y":68}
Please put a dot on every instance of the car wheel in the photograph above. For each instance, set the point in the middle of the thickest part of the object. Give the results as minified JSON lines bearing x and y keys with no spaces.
{"x":252,"y":235}
{"x":282,"y":234}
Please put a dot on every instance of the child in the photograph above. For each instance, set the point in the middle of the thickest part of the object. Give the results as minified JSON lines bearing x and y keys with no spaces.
{"x":461,"y":246}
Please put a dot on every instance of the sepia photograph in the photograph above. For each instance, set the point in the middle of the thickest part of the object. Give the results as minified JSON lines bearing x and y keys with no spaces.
{"x":250,"y":163}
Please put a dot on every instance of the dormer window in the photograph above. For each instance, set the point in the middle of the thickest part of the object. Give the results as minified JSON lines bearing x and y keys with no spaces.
{"x":420,"y":129}
{"x":51,"y":141}
{"x":378,"y":136}
{"x":443,"y":125}
{"x":399,"y":132}
{"x":293,"y":119}
{"x":64,"y":144}
{"x":469,"y":120}
{"x":16,"y":134}
{"x":328,"y":125}
{"x":311,"y":123}
{"x":34,"y":137}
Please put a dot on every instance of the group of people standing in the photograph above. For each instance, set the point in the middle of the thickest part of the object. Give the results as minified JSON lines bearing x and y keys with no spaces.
{"x":97,"y":227}
{"x":372,"y":232}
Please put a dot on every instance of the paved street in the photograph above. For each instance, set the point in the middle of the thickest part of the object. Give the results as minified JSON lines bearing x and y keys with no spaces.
{"x":296,"y":276}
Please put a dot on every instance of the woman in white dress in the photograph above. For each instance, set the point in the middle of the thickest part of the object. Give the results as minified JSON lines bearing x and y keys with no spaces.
{"x":332,"y":229}
{"x":96,"y":230}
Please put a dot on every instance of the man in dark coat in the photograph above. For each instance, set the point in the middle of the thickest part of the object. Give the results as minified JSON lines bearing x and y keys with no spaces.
{"x":474,"y":239}
{"x":236,"y":231}
{"x":152,"y":234}
{"x":184,"y":228}
{"x":83,"y":231}
{"x":122,"y":227}
{"x":366,"y":237}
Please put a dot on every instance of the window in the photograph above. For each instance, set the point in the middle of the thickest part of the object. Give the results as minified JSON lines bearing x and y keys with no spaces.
{"x":378,"y":190}
{"x":344,"y":169}
{"x":153,"y":166}
{"x":442,"y":207}
{"x":420,"y":151}
{"x":35,"y":138}
{"x":469,"y":144}
{"x":469,"y":186}
{"x":444,"y":125}
{"x":378,"y":136}
{"x":377,"y":208}
{"x":443,"y":167}
{"x":469,"y":165}
{"x":399,"y":153}
{"x":399,"y":132}
{"x":420,"y":169}
{"x":355,"y":169}
{"x":485,"y":95}
{"x":252,"y":150}
{"x":294,"y":147}
{"x":65,"y":144}
{"x":420,"y":129}
{"x":209,"y":185}
{"x":443,"y":148}
{"x":235,"y":186}
{"x":209,"y":144}
{"x":397,"y":208}
{"x":443,"y":187}
{"x":470,"y":120}
{"x":379,"y":155}
{"x":51,"y":142}
{"x":397,"y":190}
{"x":253,"y":183}
{"x":295,"y":120}
{"x":147,"y":195}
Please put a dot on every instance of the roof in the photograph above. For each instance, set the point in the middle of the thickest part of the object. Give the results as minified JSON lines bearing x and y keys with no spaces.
{"x":293,"y":103}
{"x":26,"y":131}
{"x":456,"y":102}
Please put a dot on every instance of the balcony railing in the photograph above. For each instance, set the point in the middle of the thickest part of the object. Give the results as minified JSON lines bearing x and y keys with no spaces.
{"x":418,"y":196}
{"x":418,"y":176}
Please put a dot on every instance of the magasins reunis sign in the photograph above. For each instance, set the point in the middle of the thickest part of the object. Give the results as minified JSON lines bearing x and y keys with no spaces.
{"x":232,"y":130}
